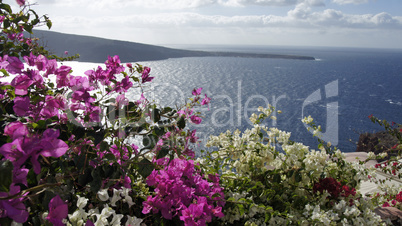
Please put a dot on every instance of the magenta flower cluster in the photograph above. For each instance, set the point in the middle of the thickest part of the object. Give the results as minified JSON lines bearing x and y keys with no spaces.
{"x":181,"y":190}
{"x":189,"y":111}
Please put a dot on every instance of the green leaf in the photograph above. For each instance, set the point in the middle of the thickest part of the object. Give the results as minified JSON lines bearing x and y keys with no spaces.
{"x":277,"y":178}
{"x":241,"y":209}
{"x":298,"y":176}
{"x":5,"y":73}
{"x":290,"y":173}
{"x":27,"y":28}
{"x":181,"y":123}
{"x":85,"y":178}
{"x":145,"y":168}
{"x":104,"y":146}
{"x":96,"y":183}
{"x":6,"y":7}
{"x":48,"y":23}
{"x":6,"y":175}
{"x":6,"y":24}
{"x":162,"y":153}
{"x":166,"y":110}
{"x":156,"y":115}
{"x":109,"y":156}
{"x":159,"y":131}
{"x":11,"y":94}
{"x":149,"y":141}
{"x":108,"y":170}
{"x":6,"y":221}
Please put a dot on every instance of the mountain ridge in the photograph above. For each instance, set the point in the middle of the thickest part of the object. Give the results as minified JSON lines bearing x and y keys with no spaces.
{"x":95,"y":49}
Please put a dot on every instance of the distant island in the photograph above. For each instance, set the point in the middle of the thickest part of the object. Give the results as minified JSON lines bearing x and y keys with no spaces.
{"x":95,"y":50}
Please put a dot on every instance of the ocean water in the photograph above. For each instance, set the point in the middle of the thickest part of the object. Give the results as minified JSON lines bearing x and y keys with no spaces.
{"x":339,"y":90}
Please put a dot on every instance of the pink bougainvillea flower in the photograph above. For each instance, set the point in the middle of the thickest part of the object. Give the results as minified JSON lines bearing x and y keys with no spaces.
{"x":20,"y":2}
{"x":30,"y":60}
{"x":15,"y":152}
{"x":52,"y":106}
{"x":62,"y":76}
{"x":41,"y":62}
{"x":14,"y":208}
{"x":21,"y":84}
{"x":3,"y":64}
{"x":121,"y":100}
{"x":218,"y":212}
{"x":195,"y":119}
{"x":12,"y":127}
{"x":123,"y":86}
{"x":20,"y":176}
{"x":142,"y":100}
{"x":196,"y":92}
{"x":145,"y":75}
{"x":51,"y":67}
{"x":192,"y":215}
{"x":25,"y":146}
{"x":58,"y":210}
{"x":113,"y":65}
{"x":35,"y":77}
{"x":21,"y":106}
{"x":11,"y":36}
{"x":94,"y":113}
{"x":15,"y":65}
{"x":51,"y":146}
{"x":20,"y":37}
{"x":206,"y":101}
{"x":126,"y":84}
{"x":182,"y":191}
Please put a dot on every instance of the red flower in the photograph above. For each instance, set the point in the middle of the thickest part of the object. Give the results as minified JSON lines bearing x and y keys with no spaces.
{"x":399,"y":197}
{"x":347,"y":191}
{"x":330,"y":184}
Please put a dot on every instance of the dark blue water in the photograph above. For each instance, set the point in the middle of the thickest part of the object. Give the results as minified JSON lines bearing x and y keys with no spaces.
{"x":346,"y":84}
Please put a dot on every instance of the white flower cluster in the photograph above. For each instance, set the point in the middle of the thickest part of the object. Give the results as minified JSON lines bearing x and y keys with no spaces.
{"x":233,"y":214}
{"x":100,"y":217}
{"x":260,"y":149}
{"x":343,"y":213}
{"x":315,"y":162}
{"x":121,"y":194}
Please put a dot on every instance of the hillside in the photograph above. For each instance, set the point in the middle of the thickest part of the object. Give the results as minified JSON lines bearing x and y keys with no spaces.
{"x":93,"y":49}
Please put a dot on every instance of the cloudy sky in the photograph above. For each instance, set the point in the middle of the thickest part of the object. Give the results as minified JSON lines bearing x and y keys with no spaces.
{"x":350,"y":23}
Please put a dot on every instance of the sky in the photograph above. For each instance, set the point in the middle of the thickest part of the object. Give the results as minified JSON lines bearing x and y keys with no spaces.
{"x":339,"y":23}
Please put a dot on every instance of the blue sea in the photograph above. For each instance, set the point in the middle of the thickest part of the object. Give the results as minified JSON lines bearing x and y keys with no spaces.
{"x":339,"y":89}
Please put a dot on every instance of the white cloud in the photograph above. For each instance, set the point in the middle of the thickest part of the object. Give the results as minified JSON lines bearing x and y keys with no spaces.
{"x":344,"y":2}
{"x":184,"y":21}
{"x":258,"y":2}
{"x":298,"y":17}
{"x":177,"y":4}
